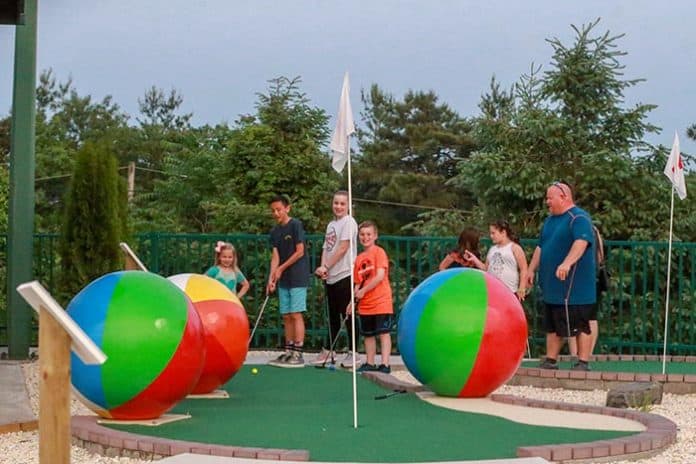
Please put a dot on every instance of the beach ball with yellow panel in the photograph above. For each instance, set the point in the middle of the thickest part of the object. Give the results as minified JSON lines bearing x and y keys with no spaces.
{"x":225,"y":326}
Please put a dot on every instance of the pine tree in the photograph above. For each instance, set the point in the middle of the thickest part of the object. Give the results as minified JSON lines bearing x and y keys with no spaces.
{"x":93,"y":221}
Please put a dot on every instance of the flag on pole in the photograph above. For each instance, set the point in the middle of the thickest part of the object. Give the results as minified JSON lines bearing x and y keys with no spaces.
{"x":675,"y":169}
{"x":340,"y":146}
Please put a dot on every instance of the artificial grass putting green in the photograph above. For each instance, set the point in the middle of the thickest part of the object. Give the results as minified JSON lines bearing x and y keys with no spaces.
{"x":312,"y":409}
{"x":642,"y":367}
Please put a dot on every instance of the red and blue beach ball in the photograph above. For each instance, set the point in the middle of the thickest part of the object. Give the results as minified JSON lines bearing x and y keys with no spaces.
{"x":153,"y":339}
{"x":462,"y":333}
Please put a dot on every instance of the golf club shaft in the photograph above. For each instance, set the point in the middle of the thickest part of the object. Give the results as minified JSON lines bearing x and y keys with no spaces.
{"x":333,"y":342}
{"x":258,"y":319}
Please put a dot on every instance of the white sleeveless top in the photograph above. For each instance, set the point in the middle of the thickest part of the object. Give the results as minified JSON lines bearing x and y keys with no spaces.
{"x":503,"y":265}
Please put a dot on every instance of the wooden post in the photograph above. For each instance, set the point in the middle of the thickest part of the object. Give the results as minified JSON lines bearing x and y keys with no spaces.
{"x":131,"y":180}
{"x":131,"y":260}
{"x":54,"y":391}
{"x":58,"y":334}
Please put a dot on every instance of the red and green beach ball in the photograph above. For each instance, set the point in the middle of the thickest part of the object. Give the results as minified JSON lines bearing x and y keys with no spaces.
{"x":153,"y":340}
{"x":462,"y":333}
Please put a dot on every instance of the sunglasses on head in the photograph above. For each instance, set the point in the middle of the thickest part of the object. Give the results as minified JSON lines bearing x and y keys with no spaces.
{"x":560,"y":185}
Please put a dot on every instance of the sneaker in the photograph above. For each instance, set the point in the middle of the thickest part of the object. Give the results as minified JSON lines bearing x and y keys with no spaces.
{"x":580,"y":366}
{"x":384,"y":369}
{"x":547,"y":364}
{"x":347,"y":362}
{"x":324,"y":357}
{"x":295,"y":360}
{"x":365,"y":367}
{"x":280,"y":360}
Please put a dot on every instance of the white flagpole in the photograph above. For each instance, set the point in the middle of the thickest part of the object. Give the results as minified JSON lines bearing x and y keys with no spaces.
{"x":340,"y":147}
{"x":669,"y":269}
{"x":352,"y":291}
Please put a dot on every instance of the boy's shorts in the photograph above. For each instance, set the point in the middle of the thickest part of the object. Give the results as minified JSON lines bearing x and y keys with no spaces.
{"x":578,"y":319}
{"x":292,"y":300}
{"x":376,"y":324}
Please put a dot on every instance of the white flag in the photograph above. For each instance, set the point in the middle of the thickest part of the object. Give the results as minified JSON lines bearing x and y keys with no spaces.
{"x":675,"y":169}
{"x":340,"y":146}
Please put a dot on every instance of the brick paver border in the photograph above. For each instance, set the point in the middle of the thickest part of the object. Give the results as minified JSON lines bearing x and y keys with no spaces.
{"x":89,"y":434}
{"x":659,"y":433}
{"x":592,"y":380}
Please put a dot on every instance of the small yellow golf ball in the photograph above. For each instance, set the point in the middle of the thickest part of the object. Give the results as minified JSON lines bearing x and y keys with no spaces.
{"x":254,"y":371}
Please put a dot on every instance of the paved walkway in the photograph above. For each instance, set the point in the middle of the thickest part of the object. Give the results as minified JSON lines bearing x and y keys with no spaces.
{"x":15,"y":409}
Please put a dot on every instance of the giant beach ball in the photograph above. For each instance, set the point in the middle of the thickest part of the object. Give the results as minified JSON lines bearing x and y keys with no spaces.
{"x":153,"y":340}
{"x":462,"y":333}
{"x":225,"y":325}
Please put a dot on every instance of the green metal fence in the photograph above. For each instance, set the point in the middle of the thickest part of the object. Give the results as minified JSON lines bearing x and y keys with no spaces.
{"x":631,"y":316}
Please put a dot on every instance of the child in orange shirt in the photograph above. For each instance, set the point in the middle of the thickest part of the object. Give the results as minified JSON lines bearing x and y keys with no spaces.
{"x":374,"y":299}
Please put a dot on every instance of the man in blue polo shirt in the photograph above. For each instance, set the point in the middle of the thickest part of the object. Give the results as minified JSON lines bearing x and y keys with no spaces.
{"x":567,"y":275}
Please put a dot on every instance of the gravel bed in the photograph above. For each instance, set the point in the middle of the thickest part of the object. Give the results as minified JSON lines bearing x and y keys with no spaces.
{"x":22,"y":448}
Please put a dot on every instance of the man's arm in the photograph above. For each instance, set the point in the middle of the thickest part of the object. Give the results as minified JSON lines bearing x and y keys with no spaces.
{"x":576,"y":250}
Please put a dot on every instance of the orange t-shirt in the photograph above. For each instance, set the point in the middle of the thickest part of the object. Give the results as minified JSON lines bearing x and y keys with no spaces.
{"x":379,"y":299}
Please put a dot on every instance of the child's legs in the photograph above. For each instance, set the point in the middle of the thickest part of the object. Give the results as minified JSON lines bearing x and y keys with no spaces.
{"x":338,"y":295}
{"x":288,"y":329}
{"x":296,"y":320}
{"x":285,"y":307}
{"x":370,"y":349}
{"x":298,"y":305}
{"x":385,"y":347}
{"x":383,"y":325}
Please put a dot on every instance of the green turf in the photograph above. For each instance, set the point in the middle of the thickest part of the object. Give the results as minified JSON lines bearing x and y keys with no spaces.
{"x":312,"y":409}
{"x":642,"y":367}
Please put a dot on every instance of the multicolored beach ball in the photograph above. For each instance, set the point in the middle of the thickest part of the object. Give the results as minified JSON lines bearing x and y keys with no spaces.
{"x":225,"y":324}
{"x":462,"y":333}
{"x":153,"y":339}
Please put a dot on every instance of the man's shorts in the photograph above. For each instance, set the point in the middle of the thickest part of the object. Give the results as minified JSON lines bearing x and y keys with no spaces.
{"x":594,"y":312}
{"x":578,"y":319}
{"x":292,"y":300}
{"x":376,"y":324}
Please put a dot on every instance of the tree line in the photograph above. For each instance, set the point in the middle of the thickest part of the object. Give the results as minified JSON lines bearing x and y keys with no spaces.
{"x":420,"y":168}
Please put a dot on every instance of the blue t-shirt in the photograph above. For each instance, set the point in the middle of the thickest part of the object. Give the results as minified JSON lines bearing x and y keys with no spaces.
{"x":229,"y":279}
{"x":557,"y":236}
{"x":285,"y":239}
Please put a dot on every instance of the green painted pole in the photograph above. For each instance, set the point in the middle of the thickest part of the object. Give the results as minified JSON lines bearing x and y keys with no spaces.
{"x":21,"y":207}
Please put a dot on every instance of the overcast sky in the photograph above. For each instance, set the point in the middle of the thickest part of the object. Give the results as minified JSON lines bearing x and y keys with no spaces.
{"x":219,"y":53}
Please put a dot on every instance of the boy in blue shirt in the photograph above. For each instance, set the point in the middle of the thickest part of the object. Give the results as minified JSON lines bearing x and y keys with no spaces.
{"x":289,"y":274}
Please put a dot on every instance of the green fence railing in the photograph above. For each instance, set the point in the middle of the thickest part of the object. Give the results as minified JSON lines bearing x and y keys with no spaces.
{"x":631,"y":316}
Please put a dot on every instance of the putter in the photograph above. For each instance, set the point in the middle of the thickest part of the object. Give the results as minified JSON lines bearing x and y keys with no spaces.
{"x":389,"y":395}
{"x":333,"y":344}
{"x":258,"y":319}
